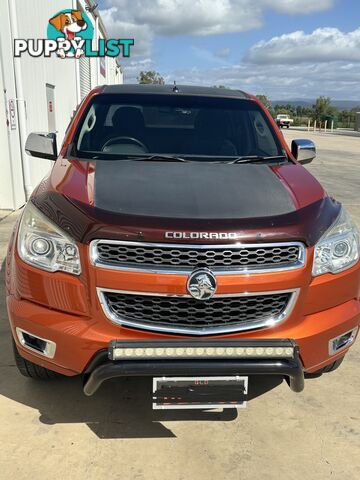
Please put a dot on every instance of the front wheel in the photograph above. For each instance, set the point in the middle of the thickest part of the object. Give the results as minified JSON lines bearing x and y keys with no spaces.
{"x":30,"y":369}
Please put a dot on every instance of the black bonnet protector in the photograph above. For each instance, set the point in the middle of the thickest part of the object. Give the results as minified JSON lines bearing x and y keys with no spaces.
{"x":85,"y":222}
{"x":189,"y":190}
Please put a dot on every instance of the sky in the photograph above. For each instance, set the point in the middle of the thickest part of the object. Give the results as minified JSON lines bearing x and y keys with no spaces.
{"x":285,"y":49}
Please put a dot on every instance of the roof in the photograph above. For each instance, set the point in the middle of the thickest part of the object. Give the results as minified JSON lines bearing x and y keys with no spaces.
{"x":151,"y":89}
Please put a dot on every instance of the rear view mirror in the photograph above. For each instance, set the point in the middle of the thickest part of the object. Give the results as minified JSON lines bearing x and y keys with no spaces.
{"x":42,"y":145}
{"x":303,"y":150}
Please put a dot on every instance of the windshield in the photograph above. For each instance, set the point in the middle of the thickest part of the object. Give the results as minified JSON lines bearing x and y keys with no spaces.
{"x":186,"y":126}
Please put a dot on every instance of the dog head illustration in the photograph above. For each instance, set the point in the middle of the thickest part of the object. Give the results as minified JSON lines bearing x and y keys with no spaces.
{"x":69,"y":23}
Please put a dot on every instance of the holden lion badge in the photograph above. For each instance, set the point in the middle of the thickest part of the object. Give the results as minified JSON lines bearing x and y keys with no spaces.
{"x":202,"y":284}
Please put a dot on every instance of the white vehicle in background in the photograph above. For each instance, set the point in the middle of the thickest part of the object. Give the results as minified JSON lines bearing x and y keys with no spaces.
{"x":283,"y":120}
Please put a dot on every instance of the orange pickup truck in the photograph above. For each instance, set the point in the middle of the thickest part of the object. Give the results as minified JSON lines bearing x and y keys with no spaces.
{"x":177,"y":236}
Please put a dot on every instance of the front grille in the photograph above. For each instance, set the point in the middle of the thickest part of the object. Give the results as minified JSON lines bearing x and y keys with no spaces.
{"x":183,"y":257}
{"x":187,"y":315}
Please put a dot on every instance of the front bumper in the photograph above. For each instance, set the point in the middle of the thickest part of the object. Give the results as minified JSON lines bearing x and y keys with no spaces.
{"x":64,"y":309}
{"x":78,"y":339}
{"x":103,"y":368}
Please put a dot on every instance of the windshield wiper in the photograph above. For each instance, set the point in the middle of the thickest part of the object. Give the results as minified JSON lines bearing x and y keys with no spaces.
{"x":257,"y":158}
{"x":160,"y":158}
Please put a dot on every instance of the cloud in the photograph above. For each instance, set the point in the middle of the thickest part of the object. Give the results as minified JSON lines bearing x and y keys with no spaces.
{"x":299,"y":6}
{"x":322,"y":45}
{"x":218,"y":57}
{"x":326,"y":61}
{"x":118,"y":27}
{"x":143,"y":20}
{"x":293,"y":65}
{"x":193,"y":17}
{"x":339,"y":80}
{"x":132,"y":68}
{"x":222,"y":53}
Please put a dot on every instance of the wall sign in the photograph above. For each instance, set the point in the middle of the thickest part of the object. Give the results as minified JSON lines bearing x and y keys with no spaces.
{"x":12,"y":114}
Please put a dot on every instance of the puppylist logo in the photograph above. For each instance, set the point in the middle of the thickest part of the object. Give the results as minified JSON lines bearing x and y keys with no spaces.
{"x":70,"y":34}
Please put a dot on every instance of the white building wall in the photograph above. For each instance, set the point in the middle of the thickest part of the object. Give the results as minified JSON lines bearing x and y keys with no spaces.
{"x":12,"y":194}
{"x":32,"y":19}
{"x":6,"y":187}
{"x":33,"y":75}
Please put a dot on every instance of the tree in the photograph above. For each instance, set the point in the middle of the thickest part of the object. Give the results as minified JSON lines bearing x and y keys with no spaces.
{"x":150,"y":76}
{"x":347,"y":118}
{"x":267,"y":104}
{"x":322,"y":108}
{"x":264,"y":100}
{"x":283,"y":109}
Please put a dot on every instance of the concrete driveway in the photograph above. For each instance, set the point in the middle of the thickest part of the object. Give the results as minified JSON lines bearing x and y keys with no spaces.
{"x":54,"y":431}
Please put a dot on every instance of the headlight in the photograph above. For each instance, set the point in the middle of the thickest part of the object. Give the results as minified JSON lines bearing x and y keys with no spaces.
{"x":44,"y":245}
{"x":339,"y":248}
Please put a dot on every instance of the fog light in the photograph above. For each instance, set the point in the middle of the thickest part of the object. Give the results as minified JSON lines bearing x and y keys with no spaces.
{"x":342,"y":341}
{"x":36,"y":344}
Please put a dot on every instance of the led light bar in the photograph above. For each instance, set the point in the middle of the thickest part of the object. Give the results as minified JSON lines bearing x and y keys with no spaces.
{"x":183,"y":351}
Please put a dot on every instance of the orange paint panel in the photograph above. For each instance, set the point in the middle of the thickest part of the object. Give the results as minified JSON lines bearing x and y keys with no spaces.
{"x":58,"y":290}
{"x":327,"y":291}
{"x":176,"y":284}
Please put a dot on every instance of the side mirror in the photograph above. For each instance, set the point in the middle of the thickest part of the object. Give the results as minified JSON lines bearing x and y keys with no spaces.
{"x":42,"y":145}
{"x":303,"y":150}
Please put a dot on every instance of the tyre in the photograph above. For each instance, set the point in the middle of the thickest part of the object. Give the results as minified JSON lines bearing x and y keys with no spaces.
{"x":327,"y":369}
{"x":30,"y":369}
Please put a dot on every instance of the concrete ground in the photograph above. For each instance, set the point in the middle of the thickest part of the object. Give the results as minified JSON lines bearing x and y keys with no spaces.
{"x":54,"y":431}
{"x":4,"y":213}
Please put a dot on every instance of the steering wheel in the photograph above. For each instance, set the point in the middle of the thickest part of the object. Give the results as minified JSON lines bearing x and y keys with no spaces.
{"x":117,"y":140}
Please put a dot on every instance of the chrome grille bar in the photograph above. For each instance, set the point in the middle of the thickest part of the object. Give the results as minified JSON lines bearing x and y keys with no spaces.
{"x":184,"y":258}
{"x":181,"y":314}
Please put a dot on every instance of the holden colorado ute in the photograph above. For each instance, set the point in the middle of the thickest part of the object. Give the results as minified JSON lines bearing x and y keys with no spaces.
{"x":178,"y":237}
